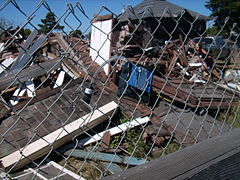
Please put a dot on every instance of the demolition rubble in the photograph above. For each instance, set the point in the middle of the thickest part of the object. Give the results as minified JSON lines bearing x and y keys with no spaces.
{"x":54,"y":92}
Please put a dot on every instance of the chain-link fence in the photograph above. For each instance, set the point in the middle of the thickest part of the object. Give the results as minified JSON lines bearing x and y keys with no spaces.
{"x":83,"y":96}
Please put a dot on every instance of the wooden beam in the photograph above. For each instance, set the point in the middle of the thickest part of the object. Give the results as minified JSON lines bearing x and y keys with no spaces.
{"x":45,"y":93}
{"x":57,"y":138}
{"x":115,"y":130}
{"x":164,"y":86}
{"x":29,"y":73}
{"x":106,"y":157}
{"x":6,"y":63}
{"x":60,"y":79}
{"x":21,"y":61}
{"x":217,"y":104}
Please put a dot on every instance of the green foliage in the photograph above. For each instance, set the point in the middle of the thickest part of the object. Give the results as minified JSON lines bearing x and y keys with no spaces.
{"x":231,"y":116}
{"x":27,"y":32}
{"x":222,"y":9}
{"x":212,"y":31}
{"x":172,"y":147}
{"x":76,"y":33}
{"x":87,"y":170}
{"x":131,"y":141}
{"x":49,"y":23}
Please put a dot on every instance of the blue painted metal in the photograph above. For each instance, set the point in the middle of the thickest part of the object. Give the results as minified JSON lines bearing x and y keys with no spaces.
{"x":106,"y":157}
{"x":141,"y":78}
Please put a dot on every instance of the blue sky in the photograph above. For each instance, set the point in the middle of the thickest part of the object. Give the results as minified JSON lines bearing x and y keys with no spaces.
{"x":90,"y":7}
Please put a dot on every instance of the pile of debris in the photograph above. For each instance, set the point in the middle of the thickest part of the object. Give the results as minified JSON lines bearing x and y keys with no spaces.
{"x":130,"y":115}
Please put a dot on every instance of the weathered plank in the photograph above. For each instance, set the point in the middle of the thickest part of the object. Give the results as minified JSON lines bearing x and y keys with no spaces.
{"x":164,"y":86}
{"x":29,"y":73}
{"x":115,"y":130}
{"x":5,"y":64}
{"x":112,"y":167}
{"x":20,"y":63}
{"x":106,"y":157}
{"x":58,"y":137}
{"x":60,"y":79}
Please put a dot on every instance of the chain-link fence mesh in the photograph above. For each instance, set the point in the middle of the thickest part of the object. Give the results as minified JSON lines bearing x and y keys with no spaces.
{"x":106,"y":93}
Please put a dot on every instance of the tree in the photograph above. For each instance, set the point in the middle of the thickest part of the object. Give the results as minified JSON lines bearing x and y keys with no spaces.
{"x":76,"y":33}
{"x":88,"y":36}
{"x":27,"y":32}
{"x":48,"y":23}
{"x":223,"y":9}
{"x":6,"y":24}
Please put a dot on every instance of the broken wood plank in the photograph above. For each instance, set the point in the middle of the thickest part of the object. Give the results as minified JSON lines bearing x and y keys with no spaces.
{"x":106,"y":139}
{"x":28,"y":42}
{"x":30,"y":88}
{"x":106,"y":157}
{"x":164,"y":86}
{"x":182,"y":56}
{"x":173,"y":61}
{"x":60,"y":79}
{"x":112,"y":167}
{"x":217,"y":104}
{"x":57,"y":138}
{"x":45,"y":93}
{"x":1,"y":47}
{"x":29,"y":73}
{"x":65,"y":170}
{"x":5,"y":64}
{"x":19,"y":64}
{"x":19,"y":92}
{"x":72,"y":68}
{"x":70,"y":73}
{"x":115,"y":130}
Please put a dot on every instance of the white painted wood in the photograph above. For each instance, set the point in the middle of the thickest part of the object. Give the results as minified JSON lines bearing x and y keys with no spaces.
{"x":57,"y":138}
{"x":115,"y":130}
{"x":16,"y":92}
{"x":30,"y":88}
{"x":5,"y":64}
{"x":37,"y":174}
{"x":21,"y":89}
{"x":22,"y":92}
{"x":14,"y":101}
{"x":1,"y":47}
{"x":100,"y":45}
{"x":60,"y":79}
{"x":58,"y":166}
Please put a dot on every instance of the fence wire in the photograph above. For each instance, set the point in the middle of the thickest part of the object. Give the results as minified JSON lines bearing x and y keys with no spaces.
{"x":90,"y":96}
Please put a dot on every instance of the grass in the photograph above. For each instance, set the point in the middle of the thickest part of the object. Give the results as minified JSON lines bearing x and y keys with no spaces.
{"x":85,"y":169}
{"x":131,"y":142}
{"x":231,"y":116}
{"x":172,"y":147}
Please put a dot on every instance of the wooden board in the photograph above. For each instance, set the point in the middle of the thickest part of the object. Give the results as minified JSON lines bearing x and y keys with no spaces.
{"x":55,"y":139}
{"x":29,"y":73}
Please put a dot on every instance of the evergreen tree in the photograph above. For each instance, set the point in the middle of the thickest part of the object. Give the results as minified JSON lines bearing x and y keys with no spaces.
{"x":27,"y":32}
{"x":222,"y":9}
{"x":76,"y":33}
{"x":48,"y":23}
